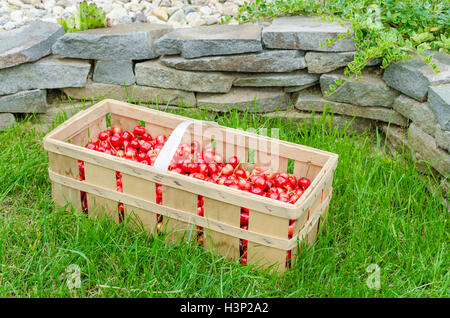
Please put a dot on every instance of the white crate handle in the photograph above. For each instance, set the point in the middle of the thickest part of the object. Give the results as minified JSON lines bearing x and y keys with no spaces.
{"x":164,"y":158}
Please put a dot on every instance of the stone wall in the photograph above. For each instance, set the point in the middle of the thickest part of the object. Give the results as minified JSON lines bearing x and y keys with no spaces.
{"x":283,"y":67}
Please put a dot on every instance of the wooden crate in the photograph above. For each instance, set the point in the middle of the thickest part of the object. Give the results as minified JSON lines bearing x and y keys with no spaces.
{"x":267,"y":232}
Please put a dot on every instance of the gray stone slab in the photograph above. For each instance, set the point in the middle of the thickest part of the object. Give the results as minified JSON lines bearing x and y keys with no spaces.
{"x":352,"y":125}
{"x":306,"y":33}
{"x":442,"y":138}
{"x":439,"y":99}
{"x":6,"y":120}
{"x":48,"y":72}
{"x":324,"y":62}
{"x":34,"y":101}
{"x":426,"y":146}
{"x":61,"y":112}
{"x":295,"y":89}
{"x":413,"y":77}
{"x":311,"y":99}
{"x":370,"y":90}
{"x":218,"y":39}
{"x":155,"y":74}
{"x":419,"y":113}
{"x":28,"y":43}
{"x":296,"y":78}
{"x":398,"y":144}
{"x":133,"y":41}
{"x":261,"y":62}
{"x":135,"y":93}
{"x":114,"y":72}
{"x":252,"y":99}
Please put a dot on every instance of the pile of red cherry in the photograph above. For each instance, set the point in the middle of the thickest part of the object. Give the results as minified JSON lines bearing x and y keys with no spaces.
{"x":138,"y":145}
{"x":206,"y":165}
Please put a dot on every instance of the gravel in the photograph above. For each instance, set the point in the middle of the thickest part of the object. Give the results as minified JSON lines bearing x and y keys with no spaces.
{"x":178,"y":13}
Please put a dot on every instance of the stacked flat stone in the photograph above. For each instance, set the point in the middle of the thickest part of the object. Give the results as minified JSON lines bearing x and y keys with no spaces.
{"x":22,"y":82}
{"x":280,"y":69}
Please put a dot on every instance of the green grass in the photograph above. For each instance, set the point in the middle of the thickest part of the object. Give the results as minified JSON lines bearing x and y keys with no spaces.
{"x":381,"y":213}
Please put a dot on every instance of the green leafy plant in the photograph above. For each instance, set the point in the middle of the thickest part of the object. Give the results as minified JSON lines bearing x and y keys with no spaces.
{"x":88,"y":16}
{"x":393,"y":30}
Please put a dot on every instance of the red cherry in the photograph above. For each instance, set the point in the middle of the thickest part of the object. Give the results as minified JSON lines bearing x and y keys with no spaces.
{"x":103,"y":135}
{"x":304,"y":183}
{"x":260,"y":182}
{"x":213,"y":168}
{"x":227,"y":170}
{"x":95,"y":140}
{"x":234,"y":161}
{"x":241,"y":173}
{"x":280,"y":181}
{"x":142,"y":156}
{"x":257,"y":190}
{"x":139,"y":130}
{"x":292,"y":180}
{"x":291,"y":229}
{"x":161,"y":139}
{"x":135,"y":144}
{"x":268,"y":175}
{"x":244,"y":218}
{"x":284,"y":197}
{"x":146,"y":136}
{"x":294,"y":198}
{"x":116,"y":130}
{"x":178,"y":170}
{"x":101,"y":149}
{"x":203,"y":168}
{"x":105,"y":144}
{"x":115,"y":141}
{"x":273,"y":195}
{"x":126,"y":136}
{"x":131,"y":153}
{"x":208,"y":156}
{"x":145,"y":147}
{"x":299,"y":191}
{"x":198,"y":175}
{"x":92,"y":146}
{"x":244,"y":185}
{"x":256,"y":171}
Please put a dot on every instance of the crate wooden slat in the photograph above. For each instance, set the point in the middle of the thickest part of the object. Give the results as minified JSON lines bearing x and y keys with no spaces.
{"x":223,"y":244}
{"x":145,"y":190}
{"x":63,"y":195}
{"x":267,"y":236}
{"x":180,"y":200}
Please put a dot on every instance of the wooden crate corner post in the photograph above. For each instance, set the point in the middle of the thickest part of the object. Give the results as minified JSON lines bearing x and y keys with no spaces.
{"x":64,"y":195}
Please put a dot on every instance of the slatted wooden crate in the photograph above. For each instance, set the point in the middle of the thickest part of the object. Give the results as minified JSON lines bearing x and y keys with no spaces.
{"x":267,"y":232}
